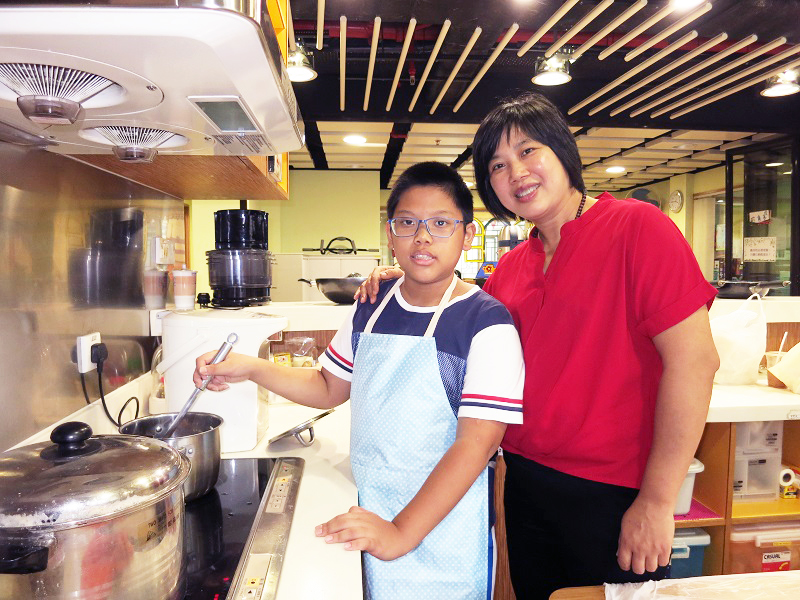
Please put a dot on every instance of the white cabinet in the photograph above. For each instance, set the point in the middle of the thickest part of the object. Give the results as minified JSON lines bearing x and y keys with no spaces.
{"x":290,"y":267}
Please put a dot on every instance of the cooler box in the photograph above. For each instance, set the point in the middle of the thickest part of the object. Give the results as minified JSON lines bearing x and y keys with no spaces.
{"x":764,"y":547}
{"x":688,"y":549}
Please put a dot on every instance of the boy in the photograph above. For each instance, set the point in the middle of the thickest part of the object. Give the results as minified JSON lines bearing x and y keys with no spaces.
{"x":434,"y":371}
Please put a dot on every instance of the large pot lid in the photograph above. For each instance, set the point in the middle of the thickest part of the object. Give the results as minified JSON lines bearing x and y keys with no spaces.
{"x":78,"y":478}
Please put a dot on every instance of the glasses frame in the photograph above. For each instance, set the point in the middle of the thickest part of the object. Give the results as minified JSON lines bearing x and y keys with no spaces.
{"x":428,"y":229}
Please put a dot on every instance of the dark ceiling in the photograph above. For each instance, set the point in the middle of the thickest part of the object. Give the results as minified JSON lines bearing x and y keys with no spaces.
{"x":744,"y":110}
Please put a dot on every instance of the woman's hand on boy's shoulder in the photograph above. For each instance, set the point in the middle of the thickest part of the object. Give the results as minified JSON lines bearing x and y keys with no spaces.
{"x":368,"y":290}
{"x":360,"y":529}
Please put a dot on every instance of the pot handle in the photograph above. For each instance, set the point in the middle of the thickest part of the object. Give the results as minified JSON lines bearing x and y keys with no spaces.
{"x":20,"y":560}
{"x":310,"y":282}
{"x":351,"y":250}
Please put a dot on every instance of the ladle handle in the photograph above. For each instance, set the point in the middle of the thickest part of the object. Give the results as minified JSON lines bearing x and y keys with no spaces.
{"x":221,"y":355}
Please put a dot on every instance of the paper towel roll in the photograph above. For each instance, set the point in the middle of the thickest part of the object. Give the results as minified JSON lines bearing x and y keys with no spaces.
{"x":788,"y":477}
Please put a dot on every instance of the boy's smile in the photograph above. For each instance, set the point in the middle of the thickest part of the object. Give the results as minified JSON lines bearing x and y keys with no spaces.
{"x":428,"y":261}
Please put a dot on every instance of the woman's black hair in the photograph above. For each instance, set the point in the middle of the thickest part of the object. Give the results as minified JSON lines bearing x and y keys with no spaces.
{"x":538,"y":118}
{"x":436,"y":174}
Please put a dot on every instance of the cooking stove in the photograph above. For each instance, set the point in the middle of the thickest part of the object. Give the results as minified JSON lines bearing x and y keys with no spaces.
{"x":236,"y":535}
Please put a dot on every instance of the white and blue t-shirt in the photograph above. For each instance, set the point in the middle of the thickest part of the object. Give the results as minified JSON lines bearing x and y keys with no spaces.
{"x":478,"y":348}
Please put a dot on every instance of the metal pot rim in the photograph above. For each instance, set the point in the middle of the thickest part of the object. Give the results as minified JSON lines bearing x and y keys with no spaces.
{"x":45,"y":487}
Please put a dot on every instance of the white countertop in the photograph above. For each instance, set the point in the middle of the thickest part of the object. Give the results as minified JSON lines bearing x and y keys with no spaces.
{"x":758,"y":402}
{"x":312,"y":568}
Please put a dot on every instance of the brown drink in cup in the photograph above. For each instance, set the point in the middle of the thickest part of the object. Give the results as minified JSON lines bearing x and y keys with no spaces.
{"x":184,"y":284}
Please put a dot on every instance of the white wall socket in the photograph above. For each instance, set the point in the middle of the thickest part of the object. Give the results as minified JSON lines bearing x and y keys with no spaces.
{"x":84,"y":351}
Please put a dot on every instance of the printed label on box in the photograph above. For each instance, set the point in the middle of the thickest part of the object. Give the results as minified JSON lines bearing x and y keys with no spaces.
{"x":775,"y":561}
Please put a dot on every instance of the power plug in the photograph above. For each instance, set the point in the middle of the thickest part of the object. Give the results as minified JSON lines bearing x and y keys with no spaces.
{"x":84,"y":351}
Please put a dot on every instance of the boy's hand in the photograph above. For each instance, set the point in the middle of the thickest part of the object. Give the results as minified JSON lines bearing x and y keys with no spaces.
{"x":235,"y":368}
{"x":368,"y":290}
{"x":360,"y":529}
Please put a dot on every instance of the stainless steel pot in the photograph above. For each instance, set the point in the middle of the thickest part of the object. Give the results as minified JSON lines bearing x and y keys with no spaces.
{"x":196,"y":437}
{"x":337,"y":289}
{"x":91,"y":518}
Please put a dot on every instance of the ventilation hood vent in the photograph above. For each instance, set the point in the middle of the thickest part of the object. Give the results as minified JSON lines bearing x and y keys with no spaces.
{"x":136,"y":78}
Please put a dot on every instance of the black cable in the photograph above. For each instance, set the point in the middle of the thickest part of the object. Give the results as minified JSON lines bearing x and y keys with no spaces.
{"x":99,"y":355}
{"x":124,"y":406}
{"x":103,"y":397}
{"x":85,"y":393}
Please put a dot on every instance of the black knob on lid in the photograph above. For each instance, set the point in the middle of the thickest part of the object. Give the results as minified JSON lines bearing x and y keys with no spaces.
{"x":71,"y":437}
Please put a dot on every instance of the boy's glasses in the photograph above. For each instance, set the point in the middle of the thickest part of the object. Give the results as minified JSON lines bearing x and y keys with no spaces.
{"x":440,"y":227}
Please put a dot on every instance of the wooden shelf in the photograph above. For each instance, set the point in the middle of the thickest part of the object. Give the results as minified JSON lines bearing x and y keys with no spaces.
{"x":699,"y":516}
{"x":753,"y":512}
{"x":196,"y":177}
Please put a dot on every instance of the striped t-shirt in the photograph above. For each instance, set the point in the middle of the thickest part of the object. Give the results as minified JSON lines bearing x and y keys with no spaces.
{"x":478,"y":348}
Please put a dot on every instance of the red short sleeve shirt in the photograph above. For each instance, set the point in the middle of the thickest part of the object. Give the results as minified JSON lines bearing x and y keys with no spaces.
{"x":622,"y":273}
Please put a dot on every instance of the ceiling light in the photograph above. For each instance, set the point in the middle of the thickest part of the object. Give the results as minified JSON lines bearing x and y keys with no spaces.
{"x":684,"y":4}
{"x":299,"y":66}
{"x":786,"y":173}
{"x":552,"y":71}
{"x":774,"y":164}
{"x":470,"y":184}
{"x":355,"y":139}
{"x":782,"y":85}
{"x":615,"y":170}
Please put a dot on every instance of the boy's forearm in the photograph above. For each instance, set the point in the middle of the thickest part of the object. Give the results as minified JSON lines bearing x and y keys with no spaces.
{"x":449,"y":481}
{"x":306,"y":386}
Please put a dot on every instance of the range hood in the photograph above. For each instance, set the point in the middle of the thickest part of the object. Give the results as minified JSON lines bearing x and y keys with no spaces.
{"x":139,"y":77}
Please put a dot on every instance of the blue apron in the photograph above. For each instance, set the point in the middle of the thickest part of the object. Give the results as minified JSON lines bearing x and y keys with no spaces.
{"x":402,"y":425}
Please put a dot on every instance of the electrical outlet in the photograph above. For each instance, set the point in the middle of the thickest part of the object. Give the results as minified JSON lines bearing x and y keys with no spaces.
{"x":84,"y":351}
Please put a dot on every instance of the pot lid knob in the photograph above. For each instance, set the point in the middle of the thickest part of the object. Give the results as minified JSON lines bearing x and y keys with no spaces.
{"x":71,"y":438}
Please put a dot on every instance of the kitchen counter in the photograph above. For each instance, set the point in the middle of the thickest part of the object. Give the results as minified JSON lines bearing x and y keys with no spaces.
{"x":756,"y":402}
{"x":312,"y":569}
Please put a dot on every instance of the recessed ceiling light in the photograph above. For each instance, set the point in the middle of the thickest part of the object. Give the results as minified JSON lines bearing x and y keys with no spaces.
{"x":774,"y":164}
{"x":355,"y":139}
{"x":355,"y":166}
{"x":470,"y":184}
{"x":786,"y":173}
{"x":615,"y":170}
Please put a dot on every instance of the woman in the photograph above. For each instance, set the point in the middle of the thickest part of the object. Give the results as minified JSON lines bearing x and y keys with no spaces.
{"x":612,"y":311}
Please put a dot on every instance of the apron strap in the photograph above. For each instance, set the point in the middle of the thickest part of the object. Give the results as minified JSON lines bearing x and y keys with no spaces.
{"x":382,"y":305}
{"x":440,"y":309}
{"x":396,"y":290}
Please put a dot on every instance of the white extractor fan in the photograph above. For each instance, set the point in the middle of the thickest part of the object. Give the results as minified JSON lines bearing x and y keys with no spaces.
{"x":177,"y":78}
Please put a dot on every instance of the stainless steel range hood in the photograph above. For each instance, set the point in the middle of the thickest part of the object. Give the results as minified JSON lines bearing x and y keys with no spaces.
{"x":176,"y":77}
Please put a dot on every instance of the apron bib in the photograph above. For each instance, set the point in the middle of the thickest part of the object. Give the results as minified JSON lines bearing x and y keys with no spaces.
{"x":402,"y":424}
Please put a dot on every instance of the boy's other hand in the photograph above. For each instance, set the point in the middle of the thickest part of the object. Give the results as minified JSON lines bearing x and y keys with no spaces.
{"x":235,"y":368}
{"x":368,"y":290}
{"x":360,"y":529}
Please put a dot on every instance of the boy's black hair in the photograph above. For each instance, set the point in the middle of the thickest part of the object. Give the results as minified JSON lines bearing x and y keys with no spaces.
{"x":538,"y":118}
{"x":436,"y":174}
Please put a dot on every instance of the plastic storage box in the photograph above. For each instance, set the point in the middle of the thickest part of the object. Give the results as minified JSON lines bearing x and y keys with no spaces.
{"x":688,"y":549}
{"x":765,"y":547}
{"x":684,"y":502}
{"x":756,"y":476}
{"x":758,"y":437}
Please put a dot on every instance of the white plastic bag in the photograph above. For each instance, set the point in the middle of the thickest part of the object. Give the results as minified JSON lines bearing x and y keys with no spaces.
{"x":741,"y":340}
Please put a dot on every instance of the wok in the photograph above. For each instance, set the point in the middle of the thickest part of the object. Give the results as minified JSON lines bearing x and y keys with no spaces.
{"x":744,"y":289}
{"x":337,"y":289}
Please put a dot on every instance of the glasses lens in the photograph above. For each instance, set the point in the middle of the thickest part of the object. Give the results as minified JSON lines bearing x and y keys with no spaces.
{"x":404,"y":227}
{"x":440,"y":226}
